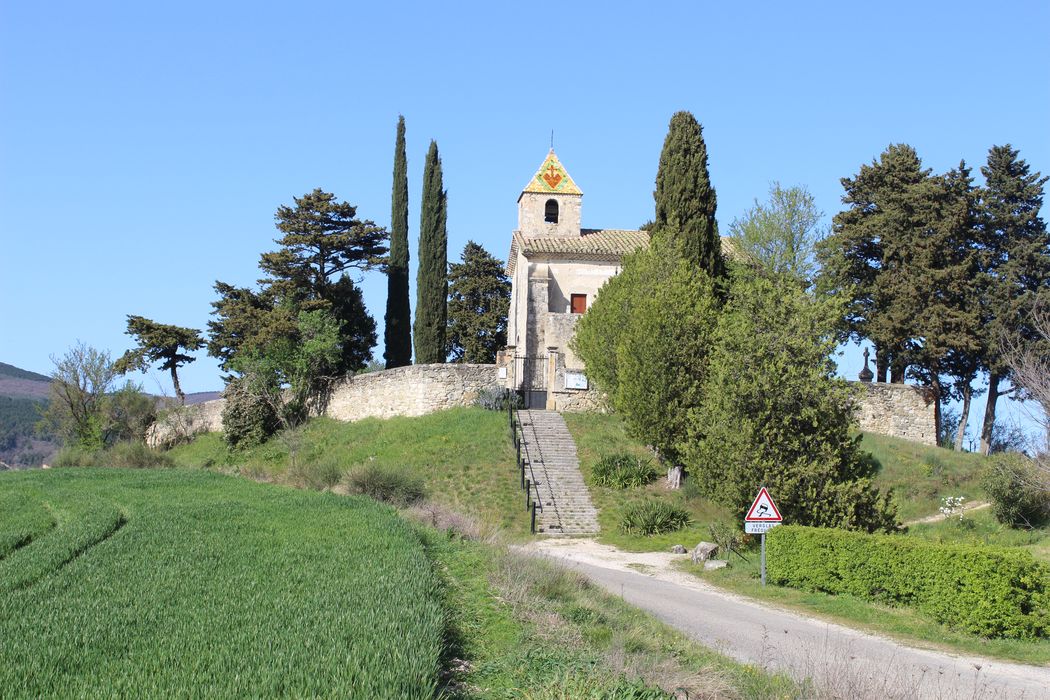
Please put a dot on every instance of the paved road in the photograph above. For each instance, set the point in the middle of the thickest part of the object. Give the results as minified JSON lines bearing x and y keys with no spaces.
{"x":842,"y":661}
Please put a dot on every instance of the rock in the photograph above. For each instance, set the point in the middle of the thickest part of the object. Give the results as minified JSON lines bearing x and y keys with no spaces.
{"x":704,"y":551}
{"x":679,"y":549}
{"x":713,"y":564}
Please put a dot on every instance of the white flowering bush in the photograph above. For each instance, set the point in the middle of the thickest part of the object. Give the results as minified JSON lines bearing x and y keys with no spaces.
{"x":952,"y":508}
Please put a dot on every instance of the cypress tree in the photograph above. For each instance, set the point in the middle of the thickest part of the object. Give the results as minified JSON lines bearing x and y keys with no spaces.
{"x":398,"y":335}
{"x":432,"y":277}
{"x":684,"y":195}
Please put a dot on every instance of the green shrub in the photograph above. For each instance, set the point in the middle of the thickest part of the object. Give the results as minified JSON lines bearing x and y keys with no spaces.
{"x":392,"y":486}
{"x":1014,"y":488}
{"x":652,"y":517}
{"x":128,"y":455}
{"x":622,"y":470}
{"x":498,"y":399}
{"x":317,"y":475}
{"x":248,"y":417}
{"x":987,"y":591}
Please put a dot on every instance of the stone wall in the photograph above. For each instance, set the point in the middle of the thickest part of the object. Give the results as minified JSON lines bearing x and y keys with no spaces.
{"x":406,"y":391}
{"x":898,"y":410}
{"x":180,"y":424}
{"x":410,"y":391}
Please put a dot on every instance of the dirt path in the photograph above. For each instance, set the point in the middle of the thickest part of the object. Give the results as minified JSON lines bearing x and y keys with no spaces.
{"x":842,"y":661}
{"x":968,"y":507}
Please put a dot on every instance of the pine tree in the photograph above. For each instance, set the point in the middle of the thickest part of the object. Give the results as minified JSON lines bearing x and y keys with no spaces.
{"x":684,"y":195}
{"x":866,"y":256}
{"x":432,"y":277}
{"x":322,"y":240}
{"x":479,"y":296}
{"x":1017,"y":266}
{"x":159,"y":342}
{"x":398,"y":334}
{"x":936,"y":288}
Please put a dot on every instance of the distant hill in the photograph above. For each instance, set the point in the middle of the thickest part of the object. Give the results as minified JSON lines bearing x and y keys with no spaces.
{"x":23,"y":395}
{"x":22,"y":384}
{"x":7,"y":370}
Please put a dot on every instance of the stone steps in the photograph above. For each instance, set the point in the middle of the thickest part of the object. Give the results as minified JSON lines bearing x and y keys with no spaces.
{"x":565,"y":504}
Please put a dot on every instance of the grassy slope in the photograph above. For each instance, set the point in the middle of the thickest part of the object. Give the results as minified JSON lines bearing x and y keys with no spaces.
{"x":206,"y":584}
{"x":599,"y":434}
{"x":464,"y":456}
{"x":466,"y":459}
{"x":920,"y":477}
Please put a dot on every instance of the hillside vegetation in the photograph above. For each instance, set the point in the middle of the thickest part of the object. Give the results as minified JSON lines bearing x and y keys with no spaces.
{"x":463,"y":457}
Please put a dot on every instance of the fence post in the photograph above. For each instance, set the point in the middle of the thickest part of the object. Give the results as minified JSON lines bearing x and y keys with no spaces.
{"x":532,"y":524}
{"x":521,"y":465}
{"x":528,"y":494}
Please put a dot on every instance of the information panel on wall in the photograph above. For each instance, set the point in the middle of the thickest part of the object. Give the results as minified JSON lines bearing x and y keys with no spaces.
{"x":575,"y":380}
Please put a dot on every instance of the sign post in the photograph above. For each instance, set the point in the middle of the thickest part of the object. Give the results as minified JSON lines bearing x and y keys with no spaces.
{"x":762,"y":517}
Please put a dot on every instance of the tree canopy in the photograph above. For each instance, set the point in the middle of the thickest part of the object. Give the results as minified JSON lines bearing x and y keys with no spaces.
{"x":397,"y":334}
{"x":432,"y":276}
{"x":684,"y":195}
{"x":159,"y":342}
{"x":322,"y":240}
{"x":782,"y":233}
{"x":479,"y":297}
{"x":774,"y":414}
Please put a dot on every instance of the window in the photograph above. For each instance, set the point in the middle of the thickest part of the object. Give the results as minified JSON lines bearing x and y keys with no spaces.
{"x":550,"y":211}
{"x":578,"y":303}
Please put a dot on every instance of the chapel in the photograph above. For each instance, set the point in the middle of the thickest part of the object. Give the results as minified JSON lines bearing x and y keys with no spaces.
{"x":556,"y":268}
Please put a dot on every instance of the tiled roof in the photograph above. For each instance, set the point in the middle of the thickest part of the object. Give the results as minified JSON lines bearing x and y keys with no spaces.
{"x":552,"y":177}
{"x":599,"y":244}
{"x":614,"y":243}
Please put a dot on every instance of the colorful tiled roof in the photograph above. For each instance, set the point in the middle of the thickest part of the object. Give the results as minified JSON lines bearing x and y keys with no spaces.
{"x":552,"y":177}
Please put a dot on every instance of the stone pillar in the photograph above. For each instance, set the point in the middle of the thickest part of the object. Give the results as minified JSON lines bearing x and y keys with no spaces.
{"x":552,"y":375}
{"x":508,"y":362}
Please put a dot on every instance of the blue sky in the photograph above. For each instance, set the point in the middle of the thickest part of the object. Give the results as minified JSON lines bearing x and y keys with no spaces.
{"x":144,"y":147}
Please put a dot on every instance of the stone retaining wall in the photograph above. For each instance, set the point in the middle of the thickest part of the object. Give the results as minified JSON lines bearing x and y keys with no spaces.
{"x":405,"y":391}
{"x":410,"y":391}
{"x":898,"y":410}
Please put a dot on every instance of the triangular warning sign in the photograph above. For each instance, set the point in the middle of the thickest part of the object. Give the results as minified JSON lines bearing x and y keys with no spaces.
{"x":763,"y":510}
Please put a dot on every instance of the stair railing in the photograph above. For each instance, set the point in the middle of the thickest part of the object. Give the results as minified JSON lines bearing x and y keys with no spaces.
{"x":523,"y":461}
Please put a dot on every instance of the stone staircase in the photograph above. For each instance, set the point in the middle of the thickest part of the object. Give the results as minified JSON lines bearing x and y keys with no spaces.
{"x":548,"y":446}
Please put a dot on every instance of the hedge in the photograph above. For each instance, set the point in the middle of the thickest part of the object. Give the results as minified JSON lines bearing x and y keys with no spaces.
{"x":987,"y":591}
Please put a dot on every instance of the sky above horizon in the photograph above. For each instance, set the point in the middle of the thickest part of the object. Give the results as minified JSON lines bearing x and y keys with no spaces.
{"x":145,"y":147}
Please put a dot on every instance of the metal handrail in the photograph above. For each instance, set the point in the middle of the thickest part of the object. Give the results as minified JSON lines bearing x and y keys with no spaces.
{"x":530,"y":482}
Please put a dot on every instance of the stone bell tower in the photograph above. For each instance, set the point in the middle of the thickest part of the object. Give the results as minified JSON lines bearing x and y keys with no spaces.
{"x":550,"y":204}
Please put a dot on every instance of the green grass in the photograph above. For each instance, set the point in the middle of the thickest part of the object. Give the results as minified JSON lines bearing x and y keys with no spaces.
{"x":527,"y":628}
{"x":980,"y":527}
{"x":27,"y":518}
{"x":921,"y":475}
{"x":463,"y":456}
{"x":598,"y":435}
{"x":184,"y":583}
{"x":899,"y":622}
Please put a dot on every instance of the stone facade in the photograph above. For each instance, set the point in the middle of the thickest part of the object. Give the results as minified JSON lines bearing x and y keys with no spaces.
{"x":898,"y":410}
{"x":415,"y":390}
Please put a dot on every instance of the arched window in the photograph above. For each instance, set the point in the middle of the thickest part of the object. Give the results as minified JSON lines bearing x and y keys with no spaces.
{"x":550,"y":211}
